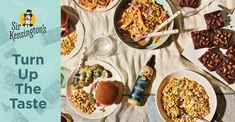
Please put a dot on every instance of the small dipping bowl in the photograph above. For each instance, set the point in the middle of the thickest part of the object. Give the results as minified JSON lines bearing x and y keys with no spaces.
{"x":103,"y":46}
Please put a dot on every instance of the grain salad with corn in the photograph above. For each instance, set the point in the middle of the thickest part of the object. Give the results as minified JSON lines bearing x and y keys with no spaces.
{"x":185,"y":97}
{"x":68,"y":43}
{"x":83,"y":101}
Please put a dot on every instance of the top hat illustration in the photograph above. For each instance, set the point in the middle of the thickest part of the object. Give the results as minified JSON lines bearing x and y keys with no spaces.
{"x":28,"y":12}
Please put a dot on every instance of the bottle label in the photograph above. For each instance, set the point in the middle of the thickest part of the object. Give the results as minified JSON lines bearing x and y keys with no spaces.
{"x":139,"y":88}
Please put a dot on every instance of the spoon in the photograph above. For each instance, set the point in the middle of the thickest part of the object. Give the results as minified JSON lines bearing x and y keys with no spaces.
{"x":157,"y":28}
{"x":188,"y":116}
{"x":139,"y":38}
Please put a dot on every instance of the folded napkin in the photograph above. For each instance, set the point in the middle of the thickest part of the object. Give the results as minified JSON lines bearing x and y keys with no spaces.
{"x":151,"y":110}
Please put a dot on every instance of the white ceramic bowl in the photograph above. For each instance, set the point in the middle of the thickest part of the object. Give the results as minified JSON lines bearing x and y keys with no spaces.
{"x":192,"y":76}
{"x":112,"y":4}
{"x":162,"y":40}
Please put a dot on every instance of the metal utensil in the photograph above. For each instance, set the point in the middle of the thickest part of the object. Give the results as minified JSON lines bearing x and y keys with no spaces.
{"x":157,"y":28}
{"x":139,"y":38}
{"x":167,"y":21}
{"x":164,"y":23}
{"x":195,"y":118}
{"x":81,"y":61}
{"x":197,"y":9}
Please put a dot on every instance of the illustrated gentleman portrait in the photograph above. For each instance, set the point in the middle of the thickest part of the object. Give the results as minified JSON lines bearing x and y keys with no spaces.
{"x":27,"y":18}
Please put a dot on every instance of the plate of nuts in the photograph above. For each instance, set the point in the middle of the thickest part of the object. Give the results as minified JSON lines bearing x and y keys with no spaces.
{"x":213,"y":48}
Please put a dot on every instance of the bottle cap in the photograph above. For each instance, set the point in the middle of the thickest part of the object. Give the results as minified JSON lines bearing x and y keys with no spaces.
{"x":151,"y":62}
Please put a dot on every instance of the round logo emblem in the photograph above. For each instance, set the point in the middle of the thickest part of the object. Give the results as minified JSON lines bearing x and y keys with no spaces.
{"x":27,"y":19}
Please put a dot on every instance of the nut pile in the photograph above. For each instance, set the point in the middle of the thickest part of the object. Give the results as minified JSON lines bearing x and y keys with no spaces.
{"x":210,"y":59}
{"x":201,"y":39}
{"x":189,"y":3}
{"x":230,"y":54}
{"x":227,"y":71}
{"x":222,"y":38}
{"x":214,"y":20}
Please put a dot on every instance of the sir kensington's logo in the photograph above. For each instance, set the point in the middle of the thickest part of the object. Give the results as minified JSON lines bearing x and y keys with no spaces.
{"x":26,"y":27}
{"x":27,"y":19}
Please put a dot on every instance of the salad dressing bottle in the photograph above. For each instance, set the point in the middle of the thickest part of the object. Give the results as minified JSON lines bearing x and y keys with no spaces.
{"x":143,"y":80}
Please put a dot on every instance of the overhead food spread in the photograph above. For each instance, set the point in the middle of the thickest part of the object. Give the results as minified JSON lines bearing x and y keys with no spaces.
{"x":187,"y":46}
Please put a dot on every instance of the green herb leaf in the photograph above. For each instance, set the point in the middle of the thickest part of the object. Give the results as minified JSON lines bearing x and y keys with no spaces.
{"x":102,"y":109}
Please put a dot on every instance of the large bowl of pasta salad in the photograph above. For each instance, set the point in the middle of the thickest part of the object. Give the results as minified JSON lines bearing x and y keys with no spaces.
{"x":186,"y":93}
{"x":135,"y":18}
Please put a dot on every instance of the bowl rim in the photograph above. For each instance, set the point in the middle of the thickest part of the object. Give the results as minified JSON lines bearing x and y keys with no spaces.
{"x":95,"y":11}
{"x":157,"y":45}
{"x":187,"y":71}
{"x":67,"y":85}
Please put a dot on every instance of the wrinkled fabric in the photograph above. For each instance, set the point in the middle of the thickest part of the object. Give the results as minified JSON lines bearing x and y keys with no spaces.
{"x":128,"y":61}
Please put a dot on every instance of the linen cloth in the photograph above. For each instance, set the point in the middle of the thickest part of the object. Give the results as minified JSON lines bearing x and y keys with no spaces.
{"x":128,"y":61}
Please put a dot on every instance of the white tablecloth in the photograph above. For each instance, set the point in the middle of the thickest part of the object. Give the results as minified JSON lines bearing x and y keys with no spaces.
{"x":128,"y":62}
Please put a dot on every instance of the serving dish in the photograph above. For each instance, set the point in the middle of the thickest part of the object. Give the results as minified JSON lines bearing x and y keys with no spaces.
{"x":78,"y":44}
{"x":109,"y":6}
{"x":192,"y":76}
{"x":78,"y":30}
{"x":97,"y":113}
{"x":120,"y":8}
{"x":193,"y":54}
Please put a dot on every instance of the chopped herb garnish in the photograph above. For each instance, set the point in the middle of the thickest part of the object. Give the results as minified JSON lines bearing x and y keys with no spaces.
{"x":102,"y":109}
